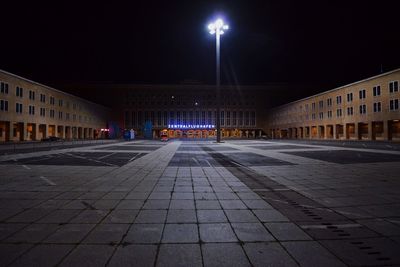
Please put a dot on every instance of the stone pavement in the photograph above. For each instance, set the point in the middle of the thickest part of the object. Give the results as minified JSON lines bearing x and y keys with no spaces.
{"x":239,"y":203}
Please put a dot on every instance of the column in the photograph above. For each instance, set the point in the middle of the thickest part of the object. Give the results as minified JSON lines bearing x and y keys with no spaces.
{"x":10,"y":132}
{"x":385,"y":130}
{"x":345,"y":131}
{"x":62,"y":128}
{"x":356,"y":132}
{"x":23,"y":131}
{"x":370,"y":130}
{"x":334,"y":131}
{"x":36,"y":131}
{"x":45,"y":128}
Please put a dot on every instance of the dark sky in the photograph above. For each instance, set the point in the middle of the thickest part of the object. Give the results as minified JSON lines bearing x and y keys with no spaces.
{"x":317,"y":42}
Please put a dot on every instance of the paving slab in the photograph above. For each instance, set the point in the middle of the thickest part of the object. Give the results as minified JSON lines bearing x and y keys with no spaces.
{"x":134,"y":255}
{"x":201,"y":204}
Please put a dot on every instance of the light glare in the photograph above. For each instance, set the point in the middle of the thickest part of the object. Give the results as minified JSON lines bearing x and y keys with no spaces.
{"x":217,"y":27}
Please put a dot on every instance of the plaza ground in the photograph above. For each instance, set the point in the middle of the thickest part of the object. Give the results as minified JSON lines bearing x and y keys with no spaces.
{"x":199,"y":203}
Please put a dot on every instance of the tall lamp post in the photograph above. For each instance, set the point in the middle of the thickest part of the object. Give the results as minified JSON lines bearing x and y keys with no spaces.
{"x":218,"y":28}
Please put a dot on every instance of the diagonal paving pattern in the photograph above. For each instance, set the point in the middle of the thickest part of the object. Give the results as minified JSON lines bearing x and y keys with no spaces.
{"x":191,"y":203}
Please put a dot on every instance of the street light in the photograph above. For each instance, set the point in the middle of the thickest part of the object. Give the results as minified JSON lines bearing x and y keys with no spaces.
{"x":218,"y":28}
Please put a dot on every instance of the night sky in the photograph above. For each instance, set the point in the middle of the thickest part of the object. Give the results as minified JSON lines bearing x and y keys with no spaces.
{"x":321,"y":43}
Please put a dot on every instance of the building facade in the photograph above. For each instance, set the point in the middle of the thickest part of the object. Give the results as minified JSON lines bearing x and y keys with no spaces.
{"x":189,"y":111}
{"x":32,"y":111}
{"x":364,"y":110}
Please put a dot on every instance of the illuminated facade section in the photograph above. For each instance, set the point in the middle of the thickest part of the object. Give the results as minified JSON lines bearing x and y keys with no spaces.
{"x":187,"y":110}
{"x":31,"y":111}
{"x":364,"y":110}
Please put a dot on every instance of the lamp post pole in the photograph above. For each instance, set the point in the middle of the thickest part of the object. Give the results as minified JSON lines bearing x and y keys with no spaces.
{"x":218,"y":28}
{"x":218,"y":78}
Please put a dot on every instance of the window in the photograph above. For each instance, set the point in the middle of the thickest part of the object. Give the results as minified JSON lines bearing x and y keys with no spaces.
{"x":349,"y":111}
{"x":171,"y":117}
{"x":152,"y":118}
{"x":376,"y":90}
{"x":3,"y":105}
{"x":329,"y":113}
{"x":31,"y":110}
{"x":246,"y":118}
{"x":203,"y":117}
{"x":233,"y":118}
{"x":51,"y":113}
{"x":51,"y":100}
{"x":394,"y":104}
{"x":209,"y":117}
{"x":197,"y":114}
{"x":306,"y":107}
{"x":240,"y":118}
{"x":42,"y":98}
{"x":60,"y":115}
{"x":253,"y":118}
{"x":339,"y":112}
{"x":377,"y":107}
{"x":74,"y":117}
{"x":313,"y":116}
{"x":159,"y":118}
{"x":394,"y":86}
{"x":4,"y":88}
{"x":222,"y":118}
{"x":42,"y":112}
{"x":362,"y":94}
{"x":18,"y":107}
{"x":165,"y":118}
{"x":31,"y":95}
{"x":19,"y":91}
{"x":329,"y":102}
{"x":60,"y":102}
{"x":313,"y":106}
{"x":321,"y":104}
{"x":339,"y":99}
{"x":349,"y":97}
{"x":321,"y":115}
{"x":363,"y":109}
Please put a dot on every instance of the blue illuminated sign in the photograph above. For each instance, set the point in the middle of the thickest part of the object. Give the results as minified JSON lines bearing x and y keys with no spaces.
{"x":190,"y":126}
